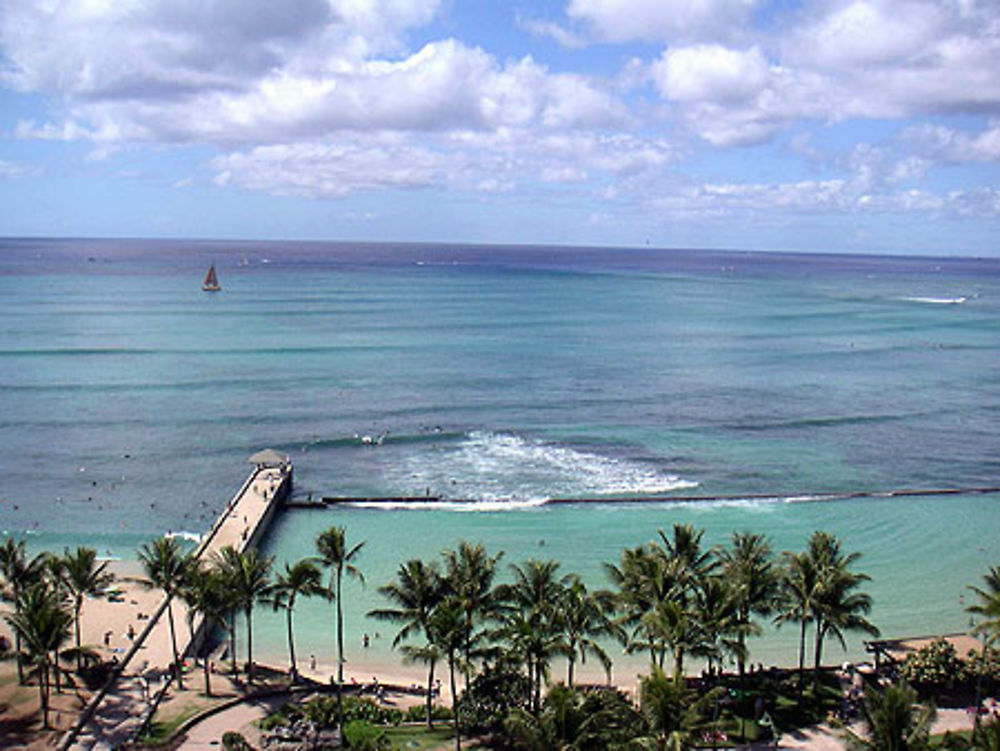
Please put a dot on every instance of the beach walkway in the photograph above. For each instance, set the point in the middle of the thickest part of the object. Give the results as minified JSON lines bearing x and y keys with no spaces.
{"x":134,"y":631}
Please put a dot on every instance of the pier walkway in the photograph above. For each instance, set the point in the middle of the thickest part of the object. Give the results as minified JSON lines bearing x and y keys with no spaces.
{"x":118,"y":712}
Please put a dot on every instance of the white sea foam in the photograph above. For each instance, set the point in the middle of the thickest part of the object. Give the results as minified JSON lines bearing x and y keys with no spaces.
{"x":185,"y":535}
{"x":499,"y":471}
{"x":937,"y":300}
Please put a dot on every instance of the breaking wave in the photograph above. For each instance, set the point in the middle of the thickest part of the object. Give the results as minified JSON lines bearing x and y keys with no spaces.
{"x":496,"y":471}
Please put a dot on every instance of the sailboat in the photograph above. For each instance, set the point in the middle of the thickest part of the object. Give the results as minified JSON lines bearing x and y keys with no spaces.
{"x":211,"y":283}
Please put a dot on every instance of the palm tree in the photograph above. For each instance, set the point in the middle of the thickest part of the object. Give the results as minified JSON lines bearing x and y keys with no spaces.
{"x":687,"y":563}
{"x":893,"y":721}
{"x":715,"y":611}
{"x":417,"y":591}
{"x":799,"y":589}
{"x":677,"y":627}
{"x":470,"y":573}
{"x":747,"y":566}
{"x":531,"y":616}
{"x":81,"y":575}
{"x":18,"y":572}
{"x":448,"y":631}
{"x":43,"y":627}
{"x":207,"y":595}
{"x":247,"y":575}
{"x":302,"y":578}
{"x":165,"y":566}
{"x":671,"y":716}
{"x":642,"y":583}
{"x":988,"y":608}
{"x":583,"y":620}
{"x":754,"y":584}
{"x":336,"y":556}
{"x":837,"y":606}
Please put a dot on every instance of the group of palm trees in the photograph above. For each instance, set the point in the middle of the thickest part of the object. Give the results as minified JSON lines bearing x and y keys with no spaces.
{"x":672,"y":596}
{"x":45,"y":593}
{"x":233,"y":582}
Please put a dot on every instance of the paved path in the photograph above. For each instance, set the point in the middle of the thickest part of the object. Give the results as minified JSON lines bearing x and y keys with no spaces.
{"x":121,"y":712}
{"x":824,"y":738}
{"x":208,"y":733}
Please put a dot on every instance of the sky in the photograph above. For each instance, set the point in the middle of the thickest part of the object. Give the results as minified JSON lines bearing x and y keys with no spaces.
{"x":793,"y":125}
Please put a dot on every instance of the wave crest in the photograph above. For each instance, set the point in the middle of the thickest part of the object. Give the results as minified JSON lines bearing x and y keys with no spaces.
{"x":492,"y":471}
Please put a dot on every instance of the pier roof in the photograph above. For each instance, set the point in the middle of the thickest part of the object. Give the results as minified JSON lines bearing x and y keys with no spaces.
{"x":268,"y":458}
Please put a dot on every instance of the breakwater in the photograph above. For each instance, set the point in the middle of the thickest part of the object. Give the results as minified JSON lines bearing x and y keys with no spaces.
{"x":417,"y":501}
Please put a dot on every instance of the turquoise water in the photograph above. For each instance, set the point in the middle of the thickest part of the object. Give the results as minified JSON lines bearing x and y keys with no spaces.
{"x":497,"y":378}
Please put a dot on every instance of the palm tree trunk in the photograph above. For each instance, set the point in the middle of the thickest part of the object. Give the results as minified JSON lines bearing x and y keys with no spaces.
{"x":569,"y":670}
{"x":194,"y":652}
{"x":820,"y":634}
{"x":232,"y":642}
{"x":741,"y":660}
{"x":467,"y":651}
{"x":802,"y":657}
{"x":55,"y":669}
{"x":340,"y":654}
{"x":430,"y":697}
{"x":340,"y":632}
{"x":173,"y":643}
{"x":249,"y":616}
{"x":293,"y":671}
{"x":76,"y":623}
{"x":43,"y":695}
{"x":454,"y":702}
{"x":208,"y":682}
{"x":17,"y":650}
{"x":539,"y":677}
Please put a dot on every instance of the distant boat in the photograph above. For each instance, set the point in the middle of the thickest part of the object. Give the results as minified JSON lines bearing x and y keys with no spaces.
{"x":211,"y":283}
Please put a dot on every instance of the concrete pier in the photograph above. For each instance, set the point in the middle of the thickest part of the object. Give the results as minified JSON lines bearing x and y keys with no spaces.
{"x":117,"y":713}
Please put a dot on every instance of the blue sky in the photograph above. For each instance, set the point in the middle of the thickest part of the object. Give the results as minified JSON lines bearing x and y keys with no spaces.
{"x":802,"y":125}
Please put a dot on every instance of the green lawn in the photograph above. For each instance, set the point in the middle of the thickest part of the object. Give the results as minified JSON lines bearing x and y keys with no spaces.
{"x":422,"y":739}
{"x":161,"y":731}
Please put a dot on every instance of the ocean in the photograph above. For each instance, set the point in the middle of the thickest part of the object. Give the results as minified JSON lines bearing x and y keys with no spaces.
{"x":496,"y":378}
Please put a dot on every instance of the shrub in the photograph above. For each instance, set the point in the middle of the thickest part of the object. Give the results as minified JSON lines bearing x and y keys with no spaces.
{"x":364,"y":736}
{"x":418,"y":713}
{"x":356,"y":708}
{"x":232,"y":741}
{"x":493,"y":694}
{"x":935,"y":665}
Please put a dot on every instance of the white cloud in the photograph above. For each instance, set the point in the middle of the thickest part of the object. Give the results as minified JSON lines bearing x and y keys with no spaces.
{"x":944,"y":144}
{"x":829,"y":197}
{"x":711,"y":72}
{"x":835,"y":61}
{"x":866,"y":33}
{"x":466,"y":161}
{"x":329,"y":170}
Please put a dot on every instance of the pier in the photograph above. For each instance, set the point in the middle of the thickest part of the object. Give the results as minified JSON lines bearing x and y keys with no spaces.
{"x":119,"y":711}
